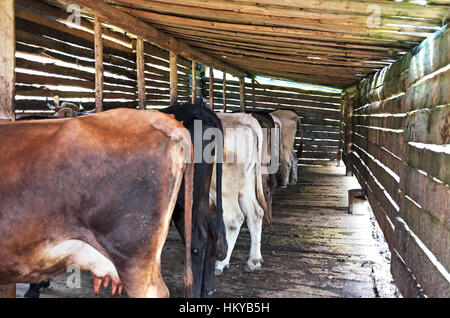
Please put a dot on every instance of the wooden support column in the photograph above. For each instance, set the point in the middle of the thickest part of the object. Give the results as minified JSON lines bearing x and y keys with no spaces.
{"x":8,"y":291}
{"x":253,"y":93}
{"x":242,"y":93}
{"x":211,"y":88}
{"x":98,"y":46}
{"x":224,"y":96}
{"x":173,"y":79}
{"x":194,"y":83}
{"x":140,"y":65}
{"x":341,"y":118}
{"x":7,"y":82}
{"x":8,"y":60}
{"x":349,"y":133}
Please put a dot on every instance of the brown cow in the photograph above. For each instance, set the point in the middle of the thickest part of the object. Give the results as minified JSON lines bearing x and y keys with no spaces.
{"x":97,"y":192}
{"x":288,"y":122}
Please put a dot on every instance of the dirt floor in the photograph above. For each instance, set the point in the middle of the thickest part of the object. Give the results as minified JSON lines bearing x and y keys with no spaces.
{"x":313,"y":249}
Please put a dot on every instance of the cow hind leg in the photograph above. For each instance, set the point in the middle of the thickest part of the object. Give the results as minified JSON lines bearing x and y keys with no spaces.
{"x":233,"y":219}
{"x":293,"y":172}
{"x":144,"y":281}
{"x":253,"y":215}
{"x":35,"y":289}
{"x":285,"y":171}
{"x":208,"y":286}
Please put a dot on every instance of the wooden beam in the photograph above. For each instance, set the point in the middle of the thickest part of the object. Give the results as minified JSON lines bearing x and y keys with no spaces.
{"x":211,"y":88}
{"x":98,"y":45}
{"x":140,"y":65}
{"x":194,"y":83}
{"x":224,"y":93}
{"x":242,"y":93}
{"x":173,"y":79}
{"x":139,"y":28}
{"x":8,"y":60}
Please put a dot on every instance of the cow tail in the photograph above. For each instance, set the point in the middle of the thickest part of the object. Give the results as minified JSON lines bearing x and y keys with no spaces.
{"x":221,"y":241}
{"x":259,"y":187}
{"x":300,"y":146}
{"x":188,"y":279}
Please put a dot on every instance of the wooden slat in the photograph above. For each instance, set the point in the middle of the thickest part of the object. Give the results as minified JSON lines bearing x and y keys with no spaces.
{"x":434,"y":162}
{"x":370,"y":179}
{"x":404,"y":279}
{"x":432,"y":54}
{"x":429,"y":126}
{"x":393,"y":141}
{"x":385,"y":157}
{"x":387,"y":181}
{"x":434,"y":233}
{"x":433,"y":278}
{"x":49,"y":80}
{"x":433,"y":91}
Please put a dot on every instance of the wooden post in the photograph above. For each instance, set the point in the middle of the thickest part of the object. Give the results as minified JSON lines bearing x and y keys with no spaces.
{"x":211,"y":88}
{"x":253,"y":93}
{"x":224,"y":87}
{"x":173,"y":79}
{"x":140,"y":65}
{"x":8,"y":291}
{"x":341,"y":118}
{"x":349,"y":133}
{"x":98,"y":46}
{"x":194,"y":83}
{"x":8,"y":60}
{"x":242,"y":93}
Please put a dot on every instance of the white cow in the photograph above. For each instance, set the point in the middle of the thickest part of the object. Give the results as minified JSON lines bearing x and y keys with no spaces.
{"x":288,"y":122}
{"x":242,"y":190}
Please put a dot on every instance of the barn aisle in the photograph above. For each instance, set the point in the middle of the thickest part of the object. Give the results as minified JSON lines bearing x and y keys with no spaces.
{"x":313,"y":249}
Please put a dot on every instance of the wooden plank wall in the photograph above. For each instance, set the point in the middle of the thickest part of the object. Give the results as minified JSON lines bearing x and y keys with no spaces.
{"x":52,"y":54}
{"x":401,"y":157}
{"x":318,"y":110}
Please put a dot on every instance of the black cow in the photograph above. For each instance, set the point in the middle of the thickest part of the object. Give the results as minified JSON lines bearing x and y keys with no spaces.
{"x":208,"y":232}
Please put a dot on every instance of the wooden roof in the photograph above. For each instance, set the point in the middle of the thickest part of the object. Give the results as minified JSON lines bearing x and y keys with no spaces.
{"x":326,"y":42}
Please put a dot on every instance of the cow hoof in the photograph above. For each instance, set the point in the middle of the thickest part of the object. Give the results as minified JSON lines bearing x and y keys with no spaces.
{"x":227,"y":266}
{"x":218,"y":272}
{"x":32,"y":294}
{"x":261,"y":260}
{"x":251,"y":270}
{"x":247,"y":269}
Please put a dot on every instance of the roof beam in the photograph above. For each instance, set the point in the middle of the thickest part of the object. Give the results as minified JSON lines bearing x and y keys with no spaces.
{"x":147,"y":32}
